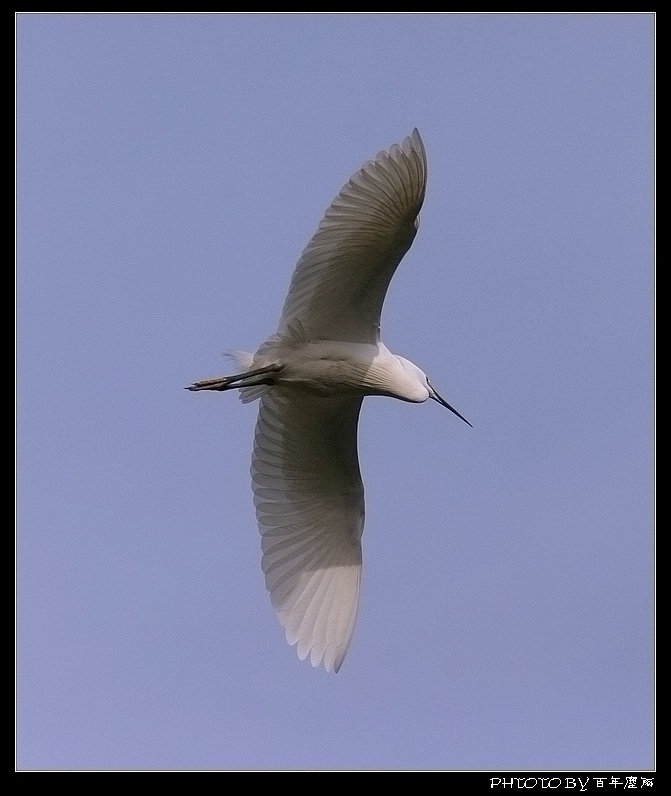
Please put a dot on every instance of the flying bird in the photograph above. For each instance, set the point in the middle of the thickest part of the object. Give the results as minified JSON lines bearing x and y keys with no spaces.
{"x":311,"y":378}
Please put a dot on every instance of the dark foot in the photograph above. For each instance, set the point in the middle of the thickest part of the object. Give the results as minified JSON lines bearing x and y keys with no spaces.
{"x":222,"y":383}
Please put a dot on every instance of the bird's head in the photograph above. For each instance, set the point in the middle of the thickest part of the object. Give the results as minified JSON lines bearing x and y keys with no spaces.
{"x":424,"y":387}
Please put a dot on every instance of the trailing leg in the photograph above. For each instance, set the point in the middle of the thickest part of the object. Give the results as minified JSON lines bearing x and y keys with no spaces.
{"x":251,"y":378}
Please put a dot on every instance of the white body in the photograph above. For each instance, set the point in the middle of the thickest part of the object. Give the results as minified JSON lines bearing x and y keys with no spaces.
{"x":333,"y":367}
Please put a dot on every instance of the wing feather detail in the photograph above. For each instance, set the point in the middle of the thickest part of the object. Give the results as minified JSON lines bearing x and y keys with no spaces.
{"x":310,"y":508}
{"x":340,"y":281}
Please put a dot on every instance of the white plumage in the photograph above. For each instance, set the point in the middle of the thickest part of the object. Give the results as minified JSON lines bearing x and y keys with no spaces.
{"x":311,"y":378}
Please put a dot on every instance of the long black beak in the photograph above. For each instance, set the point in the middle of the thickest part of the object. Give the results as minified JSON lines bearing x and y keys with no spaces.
{"x":433,"y":394}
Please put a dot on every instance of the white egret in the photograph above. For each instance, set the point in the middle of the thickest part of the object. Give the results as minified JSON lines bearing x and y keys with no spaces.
{"x":311,"y":378}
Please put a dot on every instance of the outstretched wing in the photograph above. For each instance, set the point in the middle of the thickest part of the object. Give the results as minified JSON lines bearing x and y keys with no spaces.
{"x":341,"y":279}
{"x":310,"y":508}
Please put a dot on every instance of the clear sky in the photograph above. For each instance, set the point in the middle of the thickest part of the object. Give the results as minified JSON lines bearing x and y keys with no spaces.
{"x":171,"y":168}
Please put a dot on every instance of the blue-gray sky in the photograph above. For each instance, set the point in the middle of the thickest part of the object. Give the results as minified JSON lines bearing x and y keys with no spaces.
{"x":170,"y":170}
